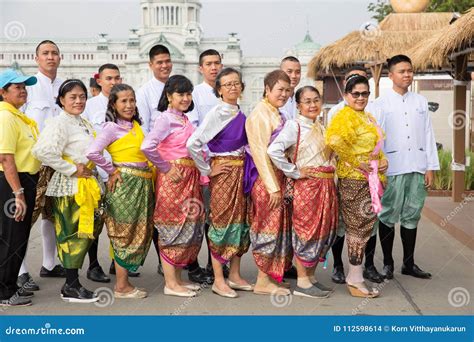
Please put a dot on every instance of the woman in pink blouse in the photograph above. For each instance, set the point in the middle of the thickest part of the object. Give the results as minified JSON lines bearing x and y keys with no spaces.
{"x":179,"y":214}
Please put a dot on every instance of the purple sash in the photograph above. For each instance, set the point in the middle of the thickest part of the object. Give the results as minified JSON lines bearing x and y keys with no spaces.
{"x":250,"y":169}
{"x":231,"y":138}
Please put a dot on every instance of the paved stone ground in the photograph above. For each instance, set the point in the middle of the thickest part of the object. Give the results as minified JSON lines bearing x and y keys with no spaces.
{"x":447,"y":293}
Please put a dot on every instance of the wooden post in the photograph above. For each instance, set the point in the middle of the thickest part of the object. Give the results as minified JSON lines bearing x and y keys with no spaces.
{"x":376,"y":70}
{"x":459,"y":125}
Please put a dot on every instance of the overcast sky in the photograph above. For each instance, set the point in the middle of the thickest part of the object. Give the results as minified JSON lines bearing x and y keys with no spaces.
{"x":266,"y":28}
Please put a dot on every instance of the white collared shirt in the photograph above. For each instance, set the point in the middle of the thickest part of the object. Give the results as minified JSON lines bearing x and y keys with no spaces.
{"x":289,"y":109}
{"x":95,"y":110}
{"x":148,"y":97}
{"x":204,"y":100}
{"x":41,"y":102}
{"x":410,"y":144}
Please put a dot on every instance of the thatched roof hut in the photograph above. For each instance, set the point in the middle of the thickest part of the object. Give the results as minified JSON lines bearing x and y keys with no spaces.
{"x":397,"y":33}
{"x":434,"y":52}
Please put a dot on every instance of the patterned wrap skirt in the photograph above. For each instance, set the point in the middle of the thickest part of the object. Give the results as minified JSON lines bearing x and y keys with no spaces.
{"x":229,"y":229}
{"x":129,"y":217}
{"x":356,"y":208}
{"x":270,"y":232}
{"x":315,"y":216}
{"x":43,"y":203}
{"x":72,"y":249}
{"x":179,"y":215}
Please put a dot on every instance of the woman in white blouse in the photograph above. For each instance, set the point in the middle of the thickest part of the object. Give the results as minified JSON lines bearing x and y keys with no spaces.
{"x":74,"y":187}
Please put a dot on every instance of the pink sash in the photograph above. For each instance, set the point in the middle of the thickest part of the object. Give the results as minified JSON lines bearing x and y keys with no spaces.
{"x":375,"y":186}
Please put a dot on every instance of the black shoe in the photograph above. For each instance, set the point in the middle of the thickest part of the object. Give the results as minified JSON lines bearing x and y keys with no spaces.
{"x":388,"y":271}
{"x":130,"y":273}
{"x":225,"y":271}
{"x":160,"y":270}
{"x":57,"y":272}
{"x":97,"y":274}
{"x":27,"y":283}
{"x":25,"y":294}
{"x":15,"y":300}
{"x":291,"y":273}
{"x":77,"y":295}
{"x":371,"y":274}
{"x":200,"y":276}
{"x":416,"y":272}
{"x":338,"y":276}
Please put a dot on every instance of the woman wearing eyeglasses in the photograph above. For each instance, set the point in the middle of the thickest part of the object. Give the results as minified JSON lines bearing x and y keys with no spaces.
{"x":223,"y":131}
{"x":312,"y":165}
{"x":357,"y":139}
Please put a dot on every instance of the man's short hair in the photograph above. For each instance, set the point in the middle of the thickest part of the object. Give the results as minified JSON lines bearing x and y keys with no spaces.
{"x":158,"y":50}
{"x":391,"y":62}
{"x":209,"y":52}
{"x":47,"y":41}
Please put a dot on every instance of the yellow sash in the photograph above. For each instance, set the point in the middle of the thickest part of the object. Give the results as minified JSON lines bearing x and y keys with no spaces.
{"x":30,"y":122}
{"x":127,"y":148}
{"x":87,"y":198}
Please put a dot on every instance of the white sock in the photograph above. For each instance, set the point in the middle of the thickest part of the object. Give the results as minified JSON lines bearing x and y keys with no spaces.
{"x":49,"y":244}
{"x":23,"y":268}
{"x":355,"y":274}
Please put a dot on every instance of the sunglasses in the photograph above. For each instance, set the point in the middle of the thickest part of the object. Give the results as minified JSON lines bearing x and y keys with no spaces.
{"x":364,"y":94}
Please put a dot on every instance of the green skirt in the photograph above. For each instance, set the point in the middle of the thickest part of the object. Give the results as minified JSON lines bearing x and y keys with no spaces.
{"x":129,"y":218}
{"x":71,"y":249}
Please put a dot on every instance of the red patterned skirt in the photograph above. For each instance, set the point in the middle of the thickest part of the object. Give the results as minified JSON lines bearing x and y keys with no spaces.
{"x":270,"y":232}
{"x":315,"y":216}
{"x":179,"y":215}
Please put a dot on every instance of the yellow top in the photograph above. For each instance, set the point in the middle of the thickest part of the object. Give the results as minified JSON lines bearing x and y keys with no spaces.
{"x":263,"y":120}
{"x":353,"y":136}
{"x":127,"y":148}
{"x":18,"y":135}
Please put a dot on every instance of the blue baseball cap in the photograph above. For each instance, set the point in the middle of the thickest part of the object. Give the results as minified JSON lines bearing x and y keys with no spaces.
{"x":14,"y":76}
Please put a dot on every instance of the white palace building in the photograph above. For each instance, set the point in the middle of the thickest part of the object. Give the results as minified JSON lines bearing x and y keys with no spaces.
{"x":175,"y":24}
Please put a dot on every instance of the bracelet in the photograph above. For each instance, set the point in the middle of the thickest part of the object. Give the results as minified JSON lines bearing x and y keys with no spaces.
{"x":115,"y":172}
{"x":19,"y":192}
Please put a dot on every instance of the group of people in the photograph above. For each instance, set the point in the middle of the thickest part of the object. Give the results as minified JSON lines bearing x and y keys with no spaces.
{"x":173,"y":164}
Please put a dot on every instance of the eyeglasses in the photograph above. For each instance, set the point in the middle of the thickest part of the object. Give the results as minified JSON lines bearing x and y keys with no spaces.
{"x":310,"y":102}
{"x":229,"y":85}
{"x":364,"y":94}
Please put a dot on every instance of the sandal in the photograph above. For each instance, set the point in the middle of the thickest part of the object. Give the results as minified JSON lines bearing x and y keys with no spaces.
{"x":355,"y":290}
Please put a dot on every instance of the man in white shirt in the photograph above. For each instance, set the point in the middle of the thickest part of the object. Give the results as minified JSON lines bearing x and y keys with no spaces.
{"x":411,"y":151}
{"x":370,"y":271}
{"x":40,"y":106}
{"x":148,"y":97}
{"x":204,"y":98}
{"x":149,"y":94}
{"x":203,"y":94}
{"x":95,"y":112}
{"x":292,"y":67}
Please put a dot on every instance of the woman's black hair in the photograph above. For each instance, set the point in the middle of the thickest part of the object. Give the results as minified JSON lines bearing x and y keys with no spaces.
{"x":301,"y":90}
{"x":111,"y":114}
{"x":353,"y":80}
{"x":175,"y":84}
{"x":66,"y":87}
{"x":224,"y":72}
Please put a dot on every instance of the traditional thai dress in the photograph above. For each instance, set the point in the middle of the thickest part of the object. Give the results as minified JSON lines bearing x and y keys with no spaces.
{"x":315,"y":207}
{"x":179,"y":211}
{"x":62,"y":143}
{"x":129,"y":209}
{"x":270,"y":233}
{"x":356,"y":138}
{"x":223,"y":130}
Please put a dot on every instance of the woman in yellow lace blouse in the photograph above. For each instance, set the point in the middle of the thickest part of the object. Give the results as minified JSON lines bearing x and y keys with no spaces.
{"x":357,"y":139}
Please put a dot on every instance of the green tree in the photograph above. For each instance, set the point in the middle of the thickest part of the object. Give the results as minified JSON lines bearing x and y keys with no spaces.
{"x":381,"y":8}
